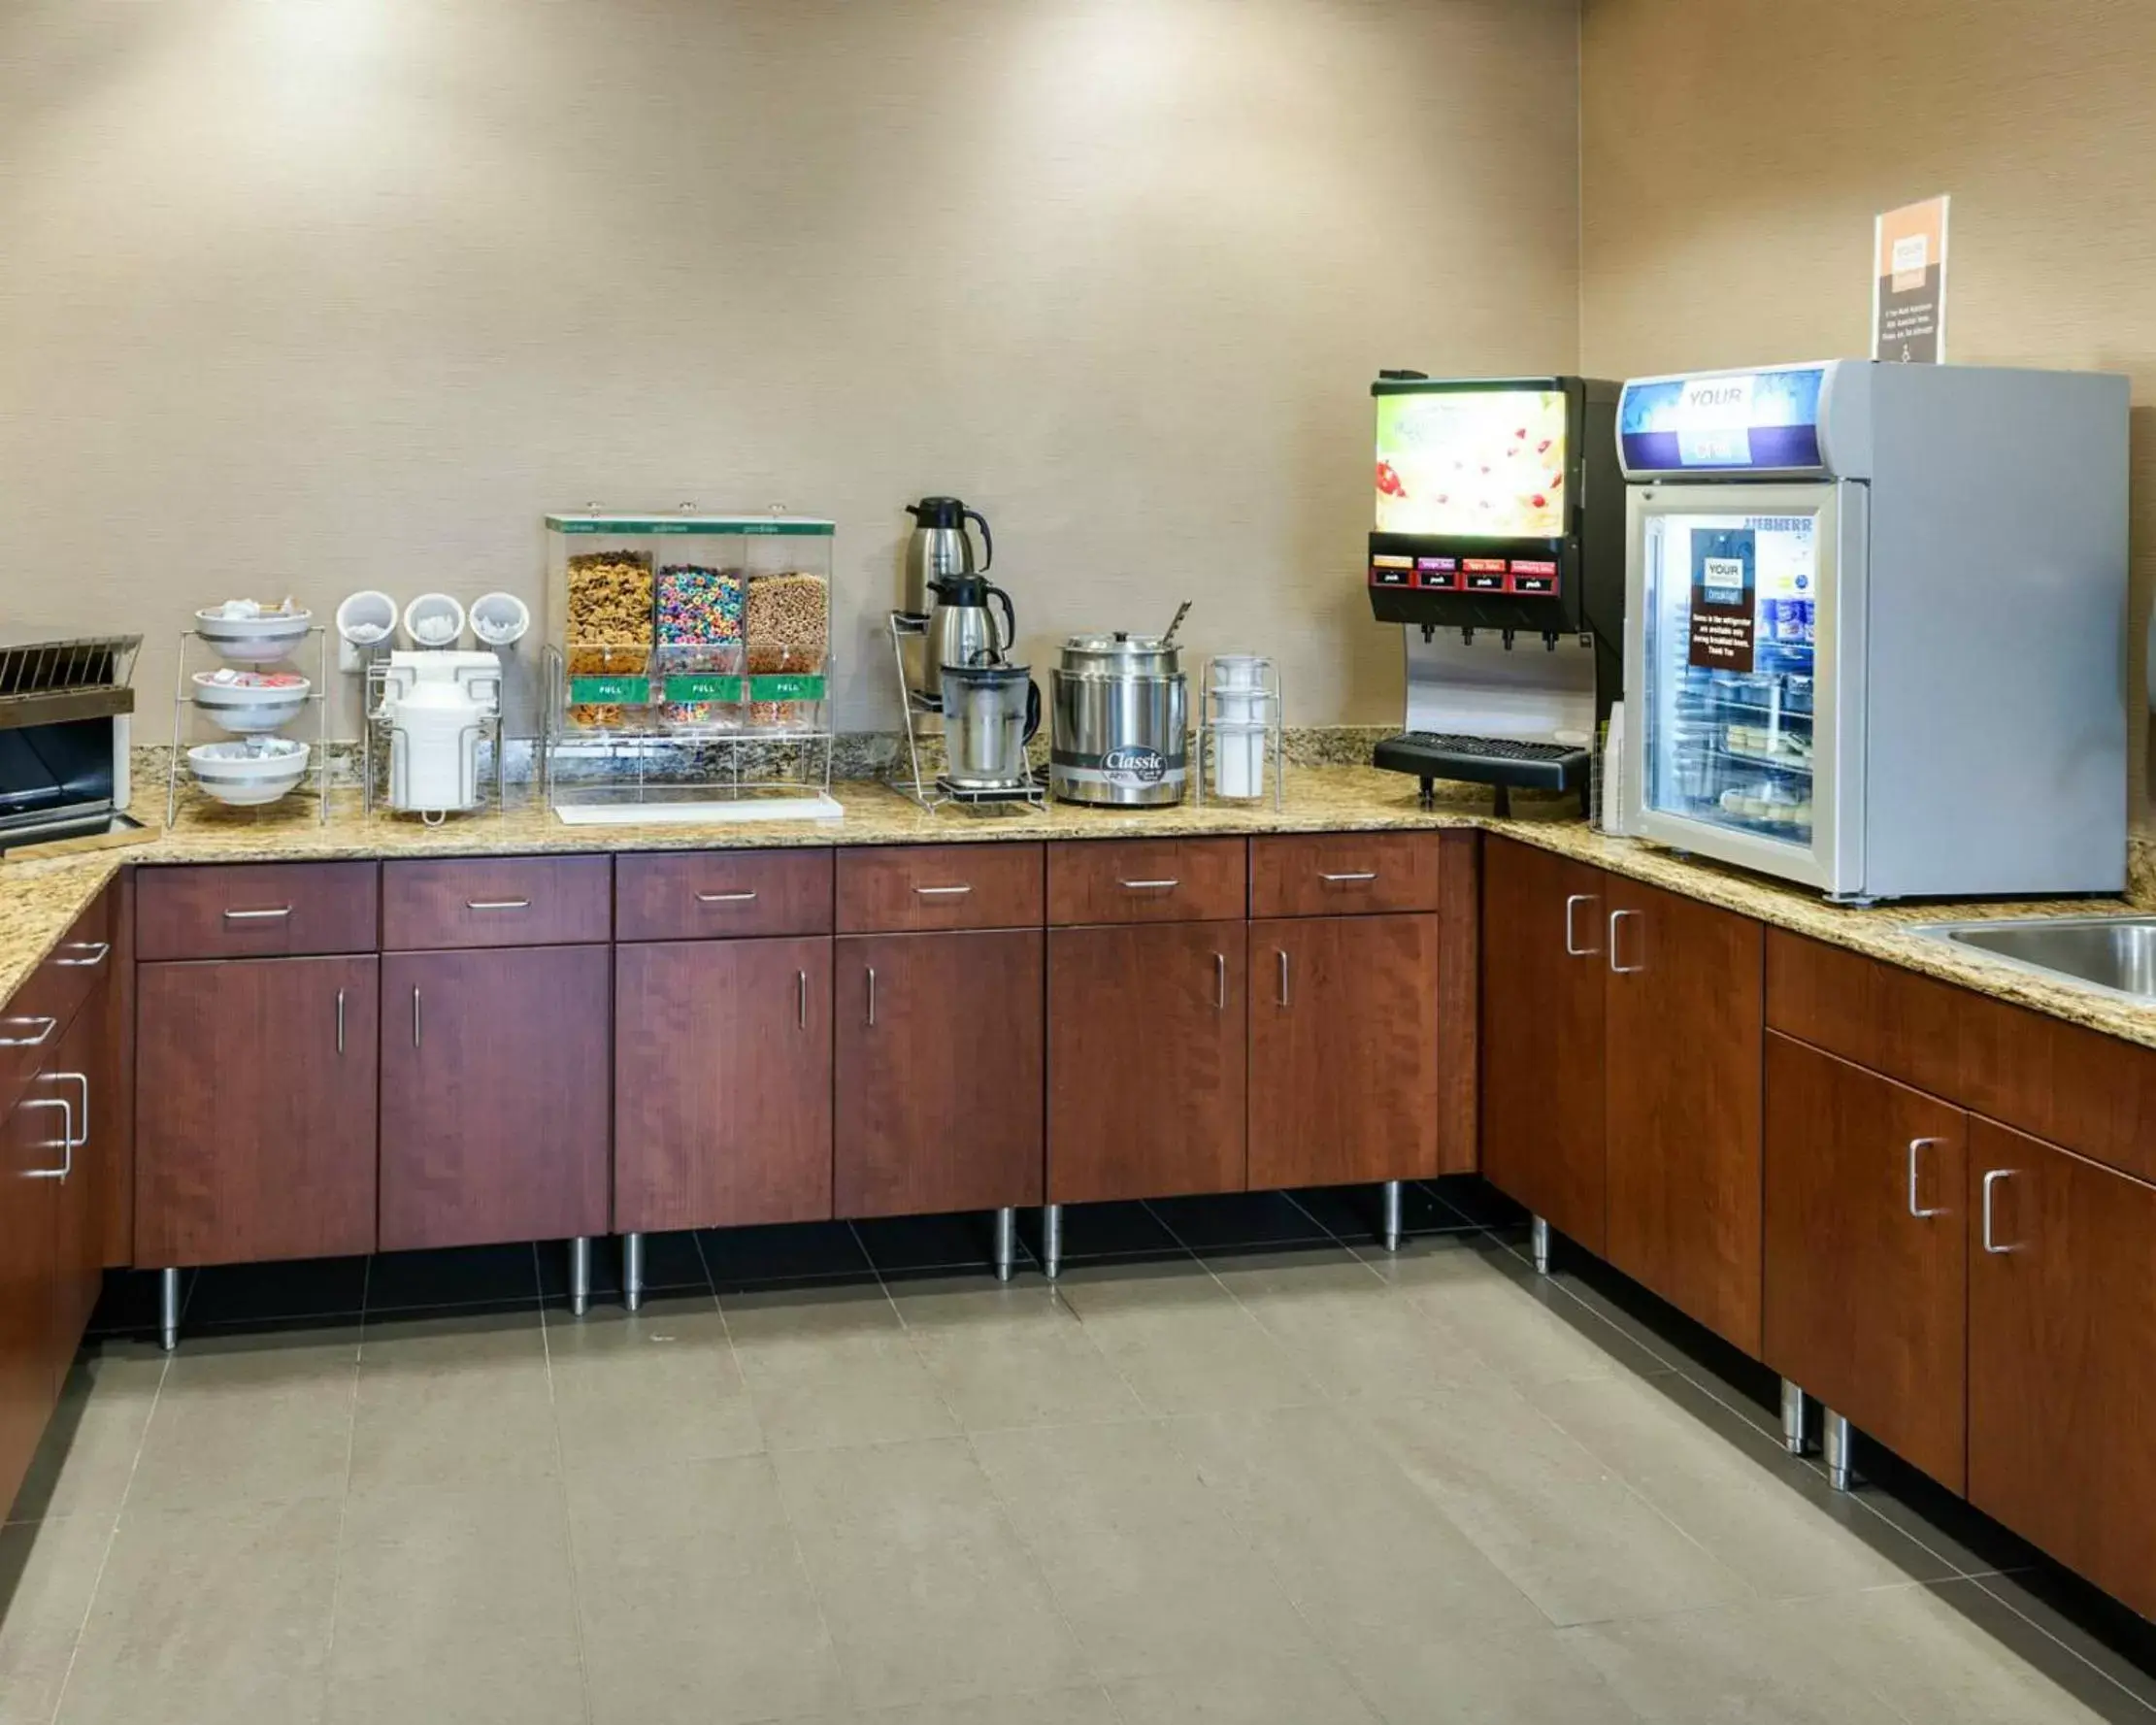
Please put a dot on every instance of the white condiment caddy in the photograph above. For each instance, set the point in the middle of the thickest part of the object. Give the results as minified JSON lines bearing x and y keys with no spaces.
{"x":1242,"y":742}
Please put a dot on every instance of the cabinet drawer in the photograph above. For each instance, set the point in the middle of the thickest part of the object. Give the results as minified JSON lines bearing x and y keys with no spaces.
{"x":901,"y":888}
{"x":37,"y":1014}
{"x":497,"y":901}
{"x":255,"y":909}
{"x":695,"y":895}
{"x":2085,"y":1091}
{"x":1344,"y":874}
{"x":1146,"y":880}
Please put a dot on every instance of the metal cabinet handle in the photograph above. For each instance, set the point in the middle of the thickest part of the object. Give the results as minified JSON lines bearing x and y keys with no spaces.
{"x":800,"y":999}
{"x":1356,"y":875}
{"x":82,"y":1080}
{"x":1149,"y":886}
{"x":1573,"y":947}
{"x":67,"y":1140}
{"x":1622,"y":970}
{"x":414,"y":1014}
{"x":102,"y":950}
{"x":340,"y":1021}
{"x":1220,"y":981}
{"x":1992,"y":1180}
{"x":270,"y":914}
{"x":1283,"y":976}
{"x":872,"y":996}
{"x":30,"y":1042}
{"x":725,"y":898}
{"x":497,"y":904}
{"x":1916,"y":1210}
{"x":943,"y":892}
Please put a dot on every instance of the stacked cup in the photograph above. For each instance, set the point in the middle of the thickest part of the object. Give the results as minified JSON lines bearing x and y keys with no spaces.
{"x":1242,"y":718}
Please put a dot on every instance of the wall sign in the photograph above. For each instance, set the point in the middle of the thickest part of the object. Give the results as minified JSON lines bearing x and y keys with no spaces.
{"x":1725,"y":581}
{"x":1909,"y":283}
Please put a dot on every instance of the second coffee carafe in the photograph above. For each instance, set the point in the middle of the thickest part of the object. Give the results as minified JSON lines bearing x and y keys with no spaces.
{"x":964,"y":630}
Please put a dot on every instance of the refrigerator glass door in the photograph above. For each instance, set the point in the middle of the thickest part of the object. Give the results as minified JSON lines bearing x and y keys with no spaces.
{"x":1737,"y":628}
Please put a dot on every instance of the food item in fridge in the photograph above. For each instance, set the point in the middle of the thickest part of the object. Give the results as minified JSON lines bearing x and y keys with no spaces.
{"x":610,"y":624}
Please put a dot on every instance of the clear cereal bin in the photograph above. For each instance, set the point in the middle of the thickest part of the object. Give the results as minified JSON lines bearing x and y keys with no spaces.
{"x":693,"y":624}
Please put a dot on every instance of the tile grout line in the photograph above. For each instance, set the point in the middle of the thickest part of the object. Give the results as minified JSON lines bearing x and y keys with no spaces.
{"x":344,"y":1498}
{"x":770,"y":1466}
{"x":112,"y":1538}
{"x":1693,"y":1375}
{"x":561,"y":1488}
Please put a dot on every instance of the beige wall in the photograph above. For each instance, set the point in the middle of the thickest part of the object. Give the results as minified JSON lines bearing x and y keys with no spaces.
{"x":318,"y":296}
{"x":1734,"y":152}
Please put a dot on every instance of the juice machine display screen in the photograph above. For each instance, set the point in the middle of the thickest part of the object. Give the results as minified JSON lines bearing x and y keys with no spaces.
{"x":1472,"y":463}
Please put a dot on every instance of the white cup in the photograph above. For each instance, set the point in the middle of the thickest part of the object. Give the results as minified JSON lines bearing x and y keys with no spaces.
{"x":433,"y":619}
{"x":365,"y":620}
{"x":500,"y":620}
{"x":1238,"y":670}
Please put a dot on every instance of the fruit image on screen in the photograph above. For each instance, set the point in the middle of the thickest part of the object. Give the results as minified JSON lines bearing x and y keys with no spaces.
{"x":1472,"y":462}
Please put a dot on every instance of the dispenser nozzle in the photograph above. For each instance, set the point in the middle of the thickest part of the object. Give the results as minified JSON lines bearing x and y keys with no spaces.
{"x":1429,"y":632}
{"x":1549,"y":641}
{"x":1508,"y":641}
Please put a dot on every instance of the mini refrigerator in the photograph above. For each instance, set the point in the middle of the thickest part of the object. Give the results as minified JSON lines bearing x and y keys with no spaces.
{"x":1876,"y":625}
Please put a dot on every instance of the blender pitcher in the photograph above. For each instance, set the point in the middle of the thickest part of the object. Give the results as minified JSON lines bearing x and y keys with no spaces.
{"x":990,"y":713}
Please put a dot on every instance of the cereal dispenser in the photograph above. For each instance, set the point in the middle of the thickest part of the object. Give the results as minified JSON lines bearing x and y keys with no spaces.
{"x":688,"y":665}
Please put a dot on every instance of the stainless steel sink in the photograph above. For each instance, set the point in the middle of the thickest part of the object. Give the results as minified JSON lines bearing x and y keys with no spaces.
{"x":2114,"y":953}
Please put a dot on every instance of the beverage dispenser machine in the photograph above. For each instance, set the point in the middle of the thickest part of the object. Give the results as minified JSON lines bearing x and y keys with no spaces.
{"x":1876,"y":620}
{"x":1497,"y":538}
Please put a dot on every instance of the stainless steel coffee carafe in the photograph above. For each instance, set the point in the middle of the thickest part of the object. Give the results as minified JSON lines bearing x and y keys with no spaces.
{"x":963,"y":629}
{"x":940,"y":548}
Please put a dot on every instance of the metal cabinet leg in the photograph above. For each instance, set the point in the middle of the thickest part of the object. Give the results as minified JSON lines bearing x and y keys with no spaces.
{"x":580,"y":1274}
{"x":168,"y":1308}
{"x":1051,"y":1240}
{"x":1796,"y":1419}
{"x":1389,"y":1228}
{"x":1538,"y":1242}
{"x":1006,"y":1244}
{"x":1841,"y":1471}
{"x":632,"y":1271}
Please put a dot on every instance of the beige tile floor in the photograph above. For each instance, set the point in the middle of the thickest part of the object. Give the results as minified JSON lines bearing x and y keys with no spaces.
{"x":1306,"y":1485}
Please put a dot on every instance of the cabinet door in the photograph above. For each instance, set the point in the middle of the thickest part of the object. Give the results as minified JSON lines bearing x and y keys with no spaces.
{"x":1147,"y":1047}
{"x":722,"y":1084}
{"x":939,"y":1072}
{"x":1343,"y":1049}
{"x":29,"y":1145}
{"x":84,"y":1073}
{"x":2061,"y":1326}
{"x":1543,"y":929}
{"x":494,"y":1105}
{"x":1682,"y":1045}
{"x":1866,"y":1252}
{"x":255,"y":1135}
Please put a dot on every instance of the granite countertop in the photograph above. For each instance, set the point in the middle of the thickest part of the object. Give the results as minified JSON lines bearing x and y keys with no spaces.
{"x":39,"y":899}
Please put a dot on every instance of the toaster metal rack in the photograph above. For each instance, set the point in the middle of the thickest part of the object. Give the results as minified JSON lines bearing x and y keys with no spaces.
{"x":181,"y":701}
{"x":934,"y":792}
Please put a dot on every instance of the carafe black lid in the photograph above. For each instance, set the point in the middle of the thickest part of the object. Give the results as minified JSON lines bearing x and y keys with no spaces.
{"x":961,"y":589}
{"x":937,"y":512}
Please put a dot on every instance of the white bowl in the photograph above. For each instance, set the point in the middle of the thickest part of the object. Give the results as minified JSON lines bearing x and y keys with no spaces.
{"x":253,"y":641}
{"x":235,"y":773}
{"x":249,"y":707}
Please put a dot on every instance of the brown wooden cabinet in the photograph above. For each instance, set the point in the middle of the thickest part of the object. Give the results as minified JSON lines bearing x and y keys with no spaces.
{"x":1146,"y":1060}
{"x":1343,"y":1049}
{"x":1866,"y":1252}
{"x":2061,"y":1326}
{"x":722,"y":1084}
{"x":494,"y":1095}
{"x":1682,"y":1045}
{"x":1544,"y":972}
{"x":938,"y":1079}
{"x":84,"y":1073}
{"x":30,"y":1148}
{"x":255,"y":1092}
